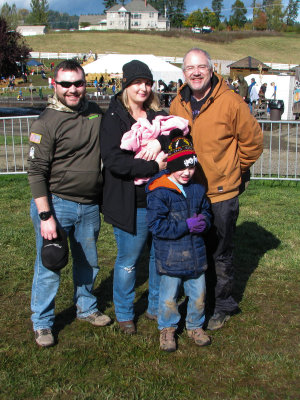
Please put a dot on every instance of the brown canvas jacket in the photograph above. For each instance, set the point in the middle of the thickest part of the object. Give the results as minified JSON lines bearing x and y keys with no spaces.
{"x":227,"y":138}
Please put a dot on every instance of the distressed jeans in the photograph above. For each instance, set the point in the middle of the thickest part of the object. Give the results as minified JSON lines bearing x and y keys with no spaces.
{"x":168,"y":314}
{"x":82,"y":224}
{"x":130,"y":247}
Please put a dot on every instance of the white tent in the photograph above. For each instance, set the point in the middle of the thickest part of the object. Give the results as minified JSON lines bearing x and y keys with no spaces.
{"x":113,"y":63}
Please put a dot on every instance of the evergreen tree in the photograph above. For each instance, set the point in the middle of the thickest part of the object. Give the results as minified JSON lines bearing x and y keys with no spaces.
{"x":216,"y":6}
{"x":13,"y":49}
{"x":9,"y":13}
{"x":292,"y":12}
{"x":176,"y":12}
{"x":39,"y":12}
{"x":108,"y":4}
{"x":275,"y":14}
{"x":239,"y":12}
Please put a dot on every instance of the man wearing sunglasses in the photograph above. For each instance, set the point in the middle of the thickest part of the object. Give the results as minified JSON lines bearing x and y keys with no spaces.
{"x":64,"y":172}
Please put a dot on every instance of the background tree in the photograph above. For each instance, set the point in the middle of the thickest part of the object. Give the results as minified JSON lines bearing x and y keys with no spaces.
{"x":238,"y":16}
{"x":9,"y":13}
{"x":292,"y":12}
{"x":39,"y":12}
{"x":108,"y":4}
{"x":176,"y":12}
{"x":194,"y":19}
{"x":23,"y":14}
{"x":13,"y":49}
{"x":209,"y":18}
{"x":216,"y":6}
{"x":260,"y":20}
{"x":275,"y":15}
{"x":57,"y":20}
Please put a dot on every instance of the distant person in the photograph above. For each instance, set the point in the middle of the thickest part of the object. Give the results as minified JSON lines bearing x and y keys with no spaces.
{"x":163,"y":88}
{"x":230,"y":85}
{"x":95,"y":83}
{"x":262,"y":91}
{"x":178,"y":214}
{"x":243,"y":88}
{"x":64,"y":172}
{"x":227,"y":140}
{"x":252,"y":94}
{"x":274,"y":94}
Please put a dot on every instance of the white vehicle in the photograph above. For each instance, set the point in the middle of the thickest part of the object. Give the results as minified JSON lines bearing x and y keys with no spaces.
{"x":196,"y":30}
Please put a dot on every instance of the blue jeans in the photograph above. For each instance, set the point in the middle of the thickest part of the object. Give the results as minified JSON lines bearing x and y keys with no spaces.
{"x":194,"y":288}
{"x":130,"y":247}
{"x":82,"y":224}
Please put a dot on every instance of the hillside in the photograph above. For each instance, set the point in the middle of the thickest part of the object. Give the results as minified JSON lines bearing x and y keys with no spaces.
{"x":279,"y":49}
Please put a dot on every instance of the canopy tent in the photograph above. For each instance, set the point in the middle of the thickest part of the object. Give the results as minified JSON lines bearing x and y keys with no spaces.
{"x":113,"y":63}
{"x":33,"y":63}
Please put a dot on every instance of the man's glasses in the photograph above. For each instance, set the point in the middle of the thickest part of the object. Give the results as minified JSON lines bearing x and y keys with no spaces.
{"x":67,"y":85}
{"x":192,"y":68}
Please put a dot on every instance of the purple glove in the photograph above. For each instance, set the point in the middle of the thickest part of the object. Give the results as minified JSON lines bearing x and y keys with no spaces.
{"x":196,"y":223}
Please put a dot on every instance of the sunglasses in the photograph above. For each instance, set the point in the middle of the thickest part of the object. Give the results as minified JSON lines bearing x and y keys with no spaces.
{"x":66,"y":84}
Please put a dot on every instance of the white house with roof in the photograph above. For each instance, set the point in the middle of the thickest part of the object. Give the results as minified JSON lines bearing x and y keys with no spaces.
{"x":136,"y":15}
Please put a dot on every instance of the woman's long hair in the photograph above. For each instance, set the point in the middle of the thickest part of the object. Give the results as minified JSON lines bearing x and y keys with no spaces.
{"x":152,"y":102}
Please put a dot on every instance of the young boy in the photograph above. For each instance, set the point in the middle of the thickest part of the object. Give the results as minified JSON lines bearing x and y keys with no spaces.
{"x":178,"y":214}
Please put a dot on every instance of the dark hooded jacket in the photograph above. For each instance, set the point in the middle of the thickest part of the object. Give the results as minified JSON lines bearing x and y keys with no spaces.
{"x":121,"y":168}
{"x":177,"y":251}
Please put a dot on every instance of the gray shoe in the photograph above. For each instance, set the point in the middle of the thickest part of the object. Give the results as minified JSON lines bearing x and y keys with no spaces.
{"x":167,"y":339}
{"x":217,"y":321}
{"x":97,"y":319}
{"x":44,"y":337}
{"x":199,"y":336}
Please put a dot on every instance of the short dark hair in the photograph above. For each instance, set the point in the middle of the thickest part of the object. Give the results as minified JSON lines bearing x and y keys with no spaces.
{"x":68,"y":65}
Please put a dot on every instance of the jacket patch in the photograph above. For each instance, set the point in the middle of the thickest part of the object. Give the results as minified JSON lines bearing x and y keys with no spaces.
{"x":35,"y":138}
{"x":220,"y":189}
{"x":93,"y":116}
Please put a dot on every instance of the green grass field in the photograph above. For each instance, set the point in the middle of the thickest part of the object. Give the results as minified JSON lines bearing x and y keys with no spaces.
{"x":255,"y":356}
{"x":278,"y":49}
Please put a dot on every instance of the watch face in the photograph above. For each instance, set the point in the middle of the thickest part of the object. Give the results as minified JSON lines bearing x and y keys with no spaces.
{"x":45,"y":215}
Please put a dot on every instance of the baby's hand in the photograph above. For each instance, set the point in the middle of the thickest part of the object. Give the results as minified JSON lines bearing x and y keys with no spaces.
{"x":151,"y":151}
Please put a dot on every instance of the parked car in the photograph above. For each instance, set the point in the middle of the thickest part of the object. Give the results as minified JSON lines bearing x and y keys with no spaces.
{"x":204,"y":29}
{"x":196,"y":30}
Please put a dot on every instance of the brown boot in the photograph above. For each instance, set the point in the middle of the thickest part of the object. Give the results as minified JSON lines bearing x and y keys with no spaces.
{"x":199,"y":336}
{"x":167,"y":339}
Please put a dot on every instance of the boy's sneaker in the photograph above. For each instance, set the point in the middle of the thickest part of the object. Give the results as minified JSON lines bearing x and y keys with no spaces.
{"x":167,"y":339}
{"x":199,"y":336}
{"x":217,"y":321}
{"x":44,"y":337}
{"x":97,"y":319}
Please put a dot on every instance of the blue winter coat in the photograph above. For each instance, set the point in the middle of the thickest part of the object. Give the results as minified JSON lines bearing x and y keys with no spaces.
{"x":177,"y":251}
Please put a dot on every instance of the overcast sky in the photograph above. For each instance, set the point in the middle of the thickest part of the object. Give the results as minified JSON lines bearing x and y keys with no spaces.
{"x":78,"y":7}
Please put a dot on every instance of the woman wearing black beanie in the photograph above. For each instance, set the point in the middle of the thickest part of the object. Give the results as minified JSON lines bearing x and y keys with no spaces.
{"x":124,"y":204}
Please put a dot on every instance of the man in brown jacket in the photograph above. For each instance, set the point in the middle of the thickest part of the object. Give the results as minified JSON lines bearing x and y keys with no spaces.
{"x":227,"y":140}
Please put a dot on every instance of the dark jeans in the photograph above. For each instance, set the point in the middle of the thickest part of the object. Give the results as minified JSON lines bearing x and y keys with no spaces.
{"x":219,"y":243}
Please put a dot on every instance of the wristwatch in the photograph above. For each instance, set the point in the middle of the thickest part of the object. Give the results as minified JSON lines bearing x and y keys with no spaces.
{"x":45,"y":215}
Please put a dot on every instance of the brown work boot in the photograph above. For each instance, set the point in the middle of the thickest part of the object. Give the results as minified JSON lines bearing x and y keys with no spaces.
{"x":199,"y":336}
{"x":167,"y":339}
{"x":127,"y":327}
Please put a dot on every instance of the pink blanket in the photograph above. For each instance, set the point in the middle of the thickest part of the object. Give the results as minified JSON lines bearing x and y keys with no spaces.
{"x":143,"y":131}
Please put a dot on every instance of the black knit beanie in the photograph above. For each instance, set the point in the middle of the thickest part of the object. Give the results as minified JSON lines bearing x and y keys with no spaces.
{"x":133,"y":70}
{"x":181,"y":153}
